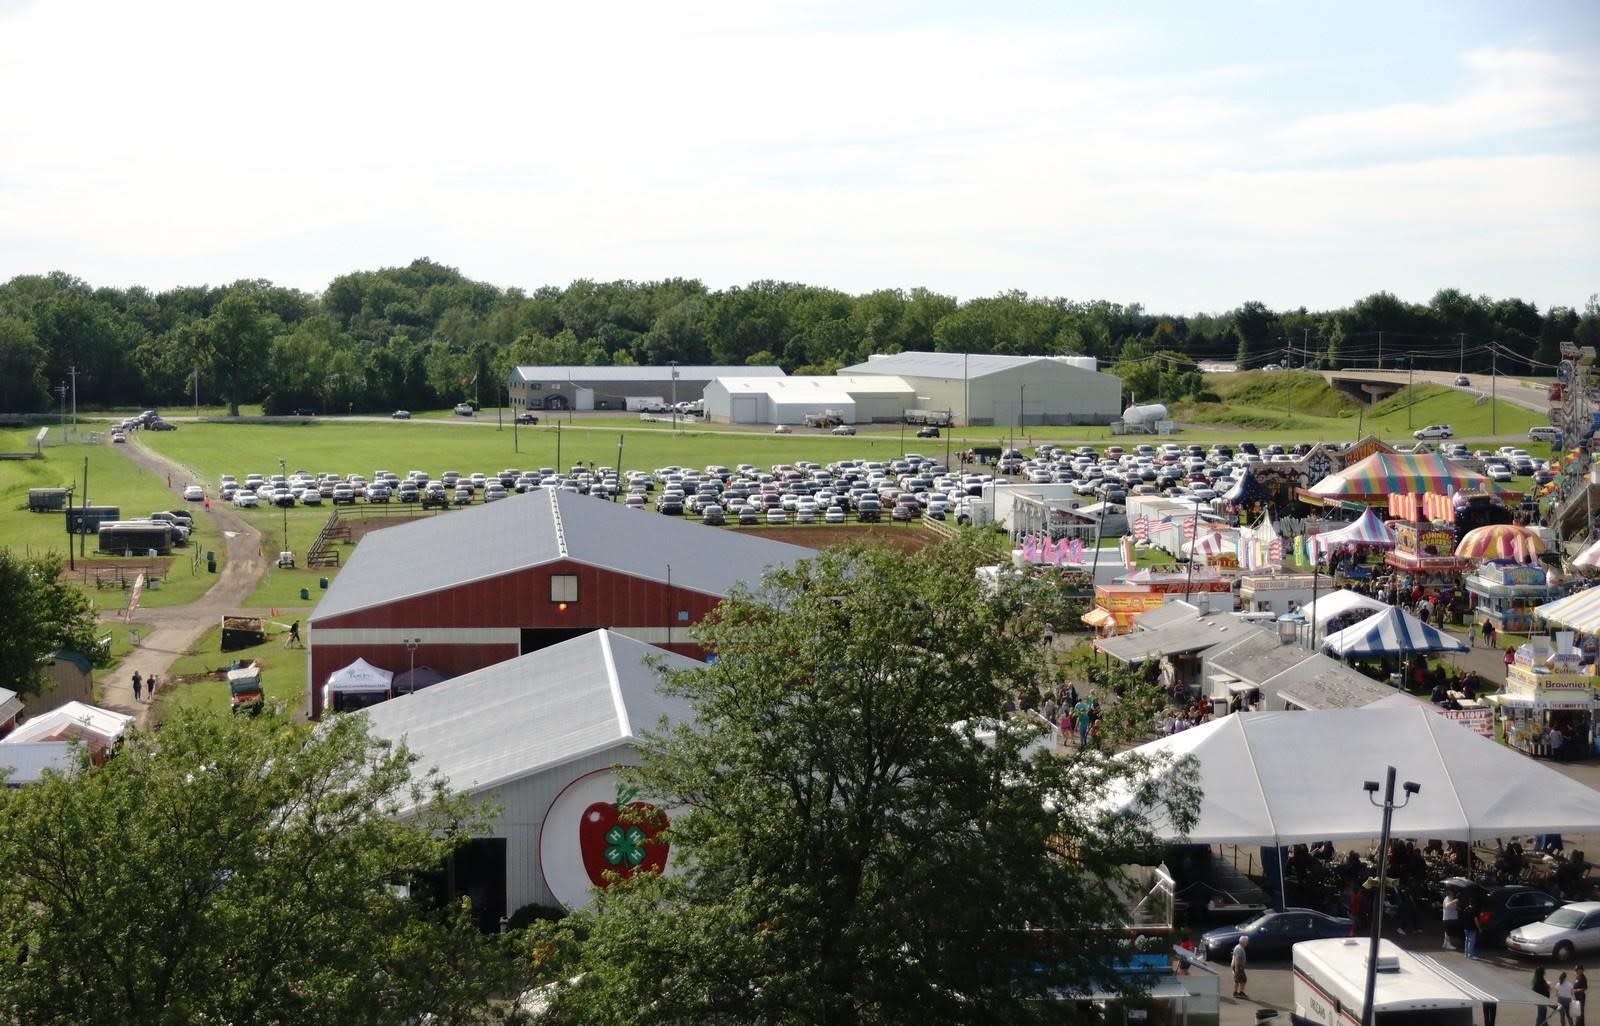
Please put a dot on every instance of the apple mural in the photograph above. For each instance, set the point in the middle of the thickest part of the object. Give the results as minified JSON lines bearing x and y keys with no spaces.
{"x":617,"y":843}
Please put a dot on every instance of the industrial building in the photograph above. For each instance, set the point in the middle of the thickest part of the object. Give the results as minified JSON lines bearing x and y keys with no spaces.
{"x":492,"y":582}
{"x":538,"y":738}
{"x":848,"y":399}
{"x":618,"y":388}
{"x":982,"y":389}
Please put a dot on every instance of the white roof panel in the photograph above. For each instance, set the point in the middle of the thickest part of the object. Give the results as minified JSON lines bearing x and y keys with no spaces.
{"x":540,"y":527}
{"x":954,"y":365}
{"x":540,"y":710}
{"x":686,"y":372}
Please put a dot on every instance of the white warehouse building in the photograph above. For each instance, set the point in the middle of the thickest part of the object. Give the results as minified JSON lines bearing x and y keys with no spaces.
{"x":851,"y":399}
{"x":986,"y":389}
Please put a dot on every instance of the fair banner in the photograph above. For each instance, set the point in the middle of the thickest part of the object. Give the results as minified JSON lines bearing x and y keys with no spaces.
{"x":133,"y":599}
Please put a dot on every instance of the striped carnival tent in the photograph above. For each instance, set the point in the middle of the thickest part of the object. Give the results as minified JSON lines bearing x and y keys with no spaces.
{"x":1589,"y":558}
{"x":1421,"y":507}
{"x":1390,"y":632}
{"x":1383,"y":474}
{"x":1579,"y":611}
{"x":1368,"y":530}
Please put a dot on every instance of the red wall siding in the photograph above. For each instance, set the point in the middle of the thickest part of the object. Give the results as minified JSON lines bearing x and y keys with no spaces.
{"x":522,"y":599}
{"x":515,"y":600}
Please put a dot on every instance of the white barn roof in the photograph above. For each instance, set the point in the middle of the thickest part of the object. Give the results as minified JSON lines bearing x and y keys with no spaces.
{"x":952,"y":365}
{"x":543,"y":526}
{"x":528,"y":714}
{"x":686,"y":372}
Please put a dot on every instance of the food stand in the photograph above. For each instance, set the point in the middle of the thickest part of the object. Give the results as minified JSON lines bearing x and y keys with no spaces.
{"x":1424,"y":557}
{"x":1547,"y":693}
{"x":1505,"y":594}
{"x":1121,"y":603}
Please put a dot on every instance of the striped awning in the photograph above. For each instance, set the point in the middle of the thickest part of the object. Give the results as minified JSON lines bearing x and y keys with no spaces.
{"x":1397,"y":473}
{"x":1579,"y":611}
{"x":1391,"y":632}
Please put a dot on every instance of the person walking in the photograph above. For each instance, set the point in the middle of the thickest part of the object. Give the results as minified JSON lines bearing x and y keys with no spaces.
{"x":152,"y":687}
{"x":1488,"y":633}
{"x":1564,"y":1000}
{"x":137,"y":684}
{"x":1580,"y":995}
{"x":1511,"y":657}
{"x":1541,"y":986}
{"x":1469,"y":926}
{"x":1237,"y":963}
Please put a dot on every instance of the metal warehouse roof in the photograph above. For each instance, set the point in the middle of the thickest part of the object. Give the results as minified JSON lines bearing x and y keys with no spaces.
{"x":1323,"y":683}
{"x":1189,"y":635}
{"x":686,"y":372}
{"x":542,"y":526}
{"x":842,"y":388}
{"x":540,"y":710}
{"x":950,"y":365}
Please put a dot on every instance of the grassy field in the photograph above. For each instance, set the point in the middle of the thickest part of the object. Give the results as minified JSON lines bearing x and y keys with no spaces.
{"x":197,"y":677}
{"x":113,"y":481}
{"x":1294,"y":406}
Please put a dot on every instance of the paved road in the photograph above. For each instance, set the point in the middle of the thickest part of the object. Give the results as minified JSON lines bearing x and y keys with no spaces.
{"x":1529,"y":393}
{"x":177,"y":628}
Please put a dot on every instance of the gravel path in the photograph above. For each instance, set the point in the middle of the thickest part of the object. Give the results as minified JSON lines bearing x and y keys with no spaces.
{"x":175,"y":629}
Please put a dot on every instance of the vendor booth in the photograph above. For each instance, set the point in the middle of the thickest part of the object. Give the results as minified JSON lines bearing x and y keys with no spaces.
{"x":1505,"y":594}
{"x":1118,"y":604}
{"x":356,"y":686}
{"x":1548,"y":706}
{"x":1424,"y":561}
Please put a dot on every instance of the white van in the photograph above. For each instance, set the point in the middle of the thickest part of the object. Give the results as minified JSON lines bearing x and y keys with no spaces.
{"x":1330,"y":978}
{"x":1545,"y":433}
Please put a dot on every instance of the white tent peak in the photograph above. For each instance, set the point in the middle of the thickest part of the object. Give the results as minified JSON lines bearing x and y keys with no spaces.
{"x":1294,"y":777}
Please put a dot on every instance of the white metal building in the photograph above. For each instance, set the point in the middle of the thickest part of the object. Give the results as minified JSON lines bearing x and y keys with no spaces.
{"x":617,"y":388}
{"x":986,"y":389}
{"x":539,"y":737}
{"x":854,"y":399}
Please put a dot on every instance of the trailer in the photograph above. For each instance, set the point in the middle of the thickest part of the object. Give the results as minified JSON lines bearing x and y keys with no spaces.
{"x":45,"y":500}
{"x":1330,"y":978}
{"x":135,"y":537}
{"x":935,"y":418}
{"x":242,"y":632}
{"x":87,"y":519}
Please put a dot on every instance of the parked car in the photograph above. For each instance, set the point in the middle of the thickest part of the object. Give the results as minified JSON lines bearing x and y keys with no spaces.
{"x":1434,"y":431}
{"x":464,"y":410}
{"x":844,"y":429}
{"x":782,"y":429}
{"x":1545,"y":433}
{"x":435,"y":498}
{"x":194,"y":493}
{"x":401,"y":415}
{"x":1504,"y":909}
{"x":118,"y":438}
{"x":1560,"y":935}
{"x":527,"y":418}
{"x":928,"y":432}
{"x":161,"y":425}
{"x":1272,"y":934}
{"x":246,"y":499}
{"x":304,"y":411}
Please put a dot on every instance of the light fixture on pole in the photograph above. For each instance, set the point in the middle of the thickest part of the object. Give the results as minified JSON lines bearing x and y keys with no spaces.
{"x":281,"y":470}
{"x":674,"y":365}
{"x":411,"y":652}
{"x":1388,"y":806}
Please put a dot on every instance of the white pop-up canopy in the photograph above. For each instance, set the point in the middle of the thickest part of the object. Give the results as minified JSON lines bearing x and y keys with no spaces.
{"x":1339,"y":603}
{"x":1277,"y":778}
{"x":360,"y":676}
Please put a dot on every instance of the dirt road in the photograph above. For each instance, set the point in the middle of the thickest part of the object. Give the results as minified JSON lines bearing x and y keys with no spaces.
{"x":177,"y":628}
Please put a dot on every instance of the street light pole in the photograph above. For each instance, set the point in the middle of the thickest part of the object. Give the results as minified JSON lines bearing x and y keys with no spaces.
{"x":1388,"y":807}
{"x":674,"y":365}
{"x":282,"y":469}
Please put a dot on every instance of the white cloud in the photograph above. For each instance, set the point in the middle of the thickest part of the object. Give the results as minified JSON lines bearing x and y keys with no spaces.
{"x":184,"y":142}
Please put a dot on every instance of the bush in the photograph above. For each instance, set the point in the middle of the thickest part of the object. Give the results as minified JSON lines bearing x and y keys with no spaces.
{"x":532,"y":913}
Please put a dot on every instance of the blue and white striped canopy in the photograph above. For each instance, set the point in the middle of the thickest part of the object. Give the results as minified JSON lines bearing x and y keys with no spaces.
{"x":1391,"y":632}
{"x":1579,"y":611}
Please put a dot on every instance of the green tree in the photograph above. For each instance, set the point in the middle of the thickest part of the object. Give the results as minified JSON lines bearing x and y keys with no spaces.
{"x":237,"y":871}
{"x":23,"y":388}
{"x":867,"y":839}
{"x":1255,"y":330}
{"x":40,"y":613}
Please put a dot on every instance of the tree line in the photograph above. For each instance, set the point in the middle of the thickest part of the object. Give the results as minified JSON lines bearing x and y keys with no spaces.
{"x":426,"y":336}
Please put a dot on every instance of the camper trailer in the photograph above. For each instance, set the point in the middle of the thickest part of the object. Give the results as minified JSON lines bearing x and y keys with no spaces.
{"x":1330,"y":978}
{"x":135,"y":537}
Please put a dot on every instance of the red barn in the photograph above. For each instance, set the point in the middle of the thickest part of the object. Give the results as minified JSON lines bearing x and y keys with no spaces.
{"x":490,"y":583}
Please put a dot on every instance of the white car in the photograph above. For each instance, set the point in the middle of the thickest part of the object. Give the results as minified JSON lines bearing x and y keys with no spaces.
{"x":1497,"y":472}
{"x":1562,"y":934}
{"x":194,"y":493}
{"x":782,"y":429}
{"x":1434,"y":431}
{"x":246,"y":499}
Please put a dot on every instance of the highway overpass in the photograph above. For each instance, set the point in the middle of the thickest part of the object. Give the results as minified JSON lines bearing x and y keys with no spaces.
{"x":1369,"y":384}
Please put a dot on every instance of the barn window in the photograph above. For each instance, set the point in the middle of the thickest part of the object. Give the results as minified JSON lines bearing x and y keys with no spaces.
{"x":563,"y":587}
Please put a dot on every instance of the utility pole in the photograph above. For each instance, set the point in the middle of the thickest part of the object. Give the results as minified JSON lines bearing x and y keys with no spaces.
{"x":85,"y":515}
{"x":1494,"y":380}
{"x":197,"y":391}
{"x":1461,"y":362}
{"x":674,"y":365}
{"x":1411,"y":396}
{"x":74,"y":372}
{"x":1380,"y":350}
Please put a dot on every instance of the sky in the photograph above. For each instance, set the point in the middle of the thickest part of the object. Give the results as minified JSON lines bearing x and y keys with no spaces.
{"x":1185,"y":156}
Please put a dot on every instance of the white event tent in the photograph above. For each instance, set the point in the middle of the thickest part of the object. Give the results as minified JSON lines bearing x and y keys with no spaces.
{"x":1339,"y":603}
{"x":1579,"y":611}
{"x":359,"y":678}
{"x":1279,"y":778}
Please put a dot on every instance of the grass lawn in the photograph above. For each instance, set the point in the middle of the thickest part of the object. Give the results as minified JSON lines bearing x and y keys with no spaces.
{"x":283,"y":673}
{"x":113,"y":481}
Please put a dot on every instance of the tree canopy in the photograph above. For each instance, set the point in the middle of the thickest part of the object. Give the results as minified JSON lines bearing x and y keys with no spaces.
{"x":239,"y":871}
{"x":424,"y":335}
{"x":40,"y":613}
{"x":866,"y":838}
